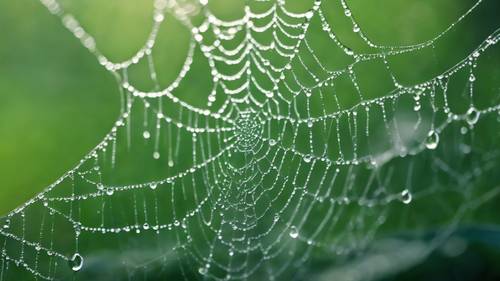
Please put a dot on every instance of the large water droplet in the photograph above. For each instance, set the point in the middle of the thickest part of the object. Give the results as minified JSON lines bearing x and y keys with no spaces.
{"x":153,"y":186}
{"x":294,"y":233}
{"x":472,"y":116}
{"x":76,"y":262}
{"x":146,"y":134}
{"x":432,"y":140}
{"x":406,"y":196}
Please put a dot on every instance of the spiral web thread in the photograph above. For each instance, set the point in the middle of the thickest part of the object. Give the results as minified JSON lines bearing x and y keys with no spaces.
{"x":274,"y":168}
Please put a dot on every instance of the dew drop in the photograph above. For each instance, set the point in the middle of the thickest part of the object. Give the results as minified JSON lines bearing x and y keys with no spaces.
{"x":159,"y":17}
{"x":145,"y":226}
{"x":355,"y":28}
{"x":294,"y":233}
{"x":109,"y":191}
{"x":202,"y":270}
{"x":472,"y":116}
{"x":406,"y":196}
{"x":463,"y":130}
{"x":347,"y":12}
{"x":153,"y":186}
{"x":146,"y":134}
{"x":307,"y":158}
{"x":472,"y":78}
{"x":76,"y":262}
{"x":309,"y":124}
{"x":156,"y":155}
{"x":272,"y":142}
{"x":432,"y":140}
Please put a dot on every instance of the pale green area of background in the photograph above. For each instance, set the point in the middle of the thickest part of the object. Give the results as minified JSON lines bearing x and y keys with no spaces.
{"x":57,"y":102}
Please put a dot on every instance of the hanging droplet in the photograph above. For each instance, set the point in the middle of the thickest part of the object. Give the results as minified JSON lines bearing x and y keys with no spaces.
{"x":109,"y":191}
{"x":145,"y":226}
{"x":472,"y":116}
{"x":146,"y":134}
{"x":472,"y":78}
{"x":307,"y":158}
{"x":355,"y":28}
{"x":272,"y":142}
{"x":202,"y":270}
{"x":347,"y":12}
{"x":156,"y":155}
{"x":310,"y":123}
{"x":153,"y":186}
{"x":463,"y":130}
{"x":406,"y":196}
{"x":76,"y":262}
{"x":432,"y":140}
{"x":231,"y":253}
{"x":294,"y":233}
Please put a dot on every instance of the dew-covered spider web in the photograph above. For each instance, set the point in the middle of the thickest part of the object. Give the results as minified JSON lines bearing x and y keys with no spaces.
{"x":289,"y":142}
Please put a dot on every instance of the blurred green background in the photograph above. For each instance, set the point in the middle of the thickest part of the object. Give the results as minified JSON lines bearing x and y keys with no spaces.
{"x":57,"y":102}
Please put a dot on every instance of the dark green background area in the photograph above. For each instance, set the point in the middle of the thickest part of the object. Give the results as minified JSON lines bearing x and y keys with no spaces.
{"x":57,"y":102}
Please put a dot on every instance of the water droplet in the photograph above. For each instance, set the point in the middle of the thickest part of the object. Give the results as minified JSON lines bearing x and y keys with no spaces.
{"x":463,"y":130}
{"x":109,"y":191}
{"x":156,"y":155}
{"x":294,"y":233}
{"x":406,"y":196}
{"x":432,"y":140}
{"x":276,"y":217}
{"x":347,"y":12}
{"x":272,"y":142}
{"x":202,"y":270}
{"x":146,"y":134}
{"x":153,"y":186}
{"x":159,"y":17}
{"x":307,"y":158}
{"x":472,"y":116}
{"x":145,"y":226}
{"x":472,"y":78}
{"x":310,"y":123}
{"x":231,"y":253}
{"x":76,"y":262}
{"x":355,"y":28}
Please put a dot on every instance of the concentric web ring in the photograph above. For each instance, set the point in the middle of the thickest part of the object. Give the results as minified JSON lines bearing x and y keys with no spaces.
{"x":288,"y":157}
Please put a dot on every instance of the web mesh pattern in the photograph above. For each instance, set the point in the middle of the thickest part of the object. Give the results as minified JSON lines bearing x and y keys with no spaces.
{"x":287,"y":158}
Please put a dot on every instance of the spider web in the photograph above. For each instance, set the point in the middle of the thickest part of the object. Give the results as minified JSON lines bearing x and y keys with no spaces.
{"x":288,"y":158}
